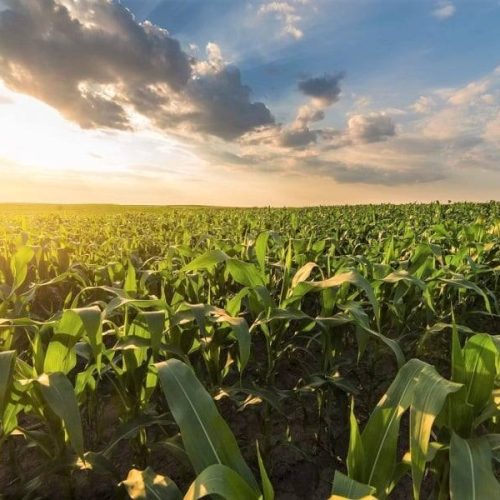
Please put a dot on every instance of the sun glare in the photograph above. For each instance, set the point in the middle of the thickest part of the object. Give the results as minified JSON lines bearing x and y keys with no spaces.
{"x":35,"y":135}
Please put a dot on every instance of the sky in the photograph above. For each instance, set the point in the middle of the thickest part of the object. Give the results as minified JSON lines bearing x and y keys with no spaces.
{"x":249,"y":102}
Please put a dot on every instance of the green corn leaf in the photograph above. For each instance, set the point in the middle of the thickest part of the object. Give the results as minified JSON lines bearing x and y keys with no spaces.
{"x":245,"y":273}
{"x":206,"y":261}
{"x":347,"y":488}
{"x":261,"y":249}
{"x":468,"y":285}
{"x":267,"y":487}
{"x":381,"y":433}
{"x":61,"y":354}
{"x":402,"y":275}
{"x":147,"y":485}
{"x":457,"y":358}
{"x":92,"y":327}
{"x":351,"y":277}
{"x":207,"y":438}
{"x":238,"y":325}
{"x":430,"y":395}
{"x":7,"y":361}
{"x":73,"y":325}
{"x":131,"y":428}
{"x":148,"y":325}
{"x":222,"y":482}
{"x":475,"y":367}
{"x":130,"y":285}
{"x":459,"y":414}
{"x":242,"y":333}
{"x":19,"y":266}
{"x":471,"y":473}
{"x":480,"y":354}
{"x":119,"y":302}
{"x":59,"y":394}
{"x":233,"y":304}
{"x":356,"y":453}
{"x":359,"y":316}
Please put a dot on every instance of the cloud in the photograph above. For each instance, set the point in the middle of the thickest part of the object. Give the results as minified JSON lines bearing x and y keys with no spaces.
{"x":468,"y":93}
{"x":423,"y":105}
{"x":214,"y":62}
{"x":362,"y":174}
{"x":287,"y":13}
{"x":444,"y":10}
{"x":94,"y":63}
{"x":308,"y":113}
{"x":463,"y":112}
{"x":447,"y":123}
{"x":443,"y":136}
{"x":374,"y":127}
{"x":98,"y":67}
{"x":86,"y":68}
{"x":296,"y":138}
{"x":358,"y":173}
{"x":492,"y":130}
{"x":324,"y":91}
{"x":223,"y":105}
{"x":325,"y":88}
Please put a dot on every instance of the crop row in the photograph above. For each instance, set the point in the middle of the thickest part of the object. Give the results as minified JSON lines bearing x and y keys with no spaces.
{"x":149,"y":351}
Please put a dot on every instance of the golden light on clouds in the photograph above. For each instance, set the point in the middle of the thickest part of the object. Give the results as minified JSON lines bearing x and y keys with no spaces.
{"x":99,"y":104}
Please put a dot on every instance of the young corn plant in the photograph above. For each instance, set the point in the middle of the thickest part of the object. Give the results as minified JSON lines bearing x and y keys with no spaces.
{"x":453,"y":427}
{"x":208,"y":442}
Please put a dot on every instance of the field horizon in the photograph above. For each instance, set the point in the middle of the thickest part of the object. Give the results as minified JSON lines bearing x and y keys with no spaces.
{"x":56,"y":205}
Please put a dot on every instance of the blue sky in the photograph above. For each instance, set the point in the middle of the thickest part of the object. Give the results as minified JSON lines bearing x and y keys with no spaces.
{"x":360,"y":100}
{"x":373,"y":41}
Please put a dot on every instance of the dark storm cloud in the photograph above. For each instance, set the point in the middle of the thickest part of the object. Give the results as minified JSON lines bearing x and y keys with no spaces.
{"x":326,"y":87}
{"x":93,"y":62}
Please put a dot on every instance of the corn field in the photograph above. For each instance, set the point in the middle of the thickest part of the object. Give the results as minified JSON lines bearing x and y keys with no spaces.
{"x":328,"y":352}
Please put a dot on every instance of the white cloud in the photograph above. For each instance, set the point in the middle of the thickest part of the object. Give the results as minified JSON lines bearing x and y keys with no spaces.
{"x":447,"y":123}
{"x":457,"y":113}
{"x":444,"y":10}
{"x":214,"y":62}
{"x":423,"y":105}
{"x":287,"y":13}
{"x":467,"y":94}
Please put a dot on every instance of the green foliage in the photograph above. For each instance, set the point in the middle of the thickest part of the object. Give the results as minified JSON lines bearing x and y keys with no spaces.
{"x":206,"y":436}
{"x":372,"y":454}
{"x":189,"y":333}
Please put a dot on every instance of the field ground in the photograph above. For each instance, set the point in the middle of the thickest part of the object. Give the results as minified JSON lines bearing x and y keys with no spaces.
{"x":143,"y":338}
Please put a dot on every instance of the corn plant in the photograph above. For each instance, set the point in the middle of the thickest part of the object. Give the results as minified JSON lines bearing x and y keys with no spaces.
{"x":452,"y":430}
{"x":146,"y":350}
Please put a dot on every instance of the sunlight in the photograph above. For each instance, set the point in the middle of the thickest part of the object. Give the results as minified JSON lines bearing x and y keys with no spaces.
{"x":36,"y":135}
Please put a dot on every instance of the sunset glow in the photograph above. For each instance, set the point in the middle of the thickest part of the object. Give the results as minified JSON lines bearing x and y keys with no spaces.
{"x":214,"y":112}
